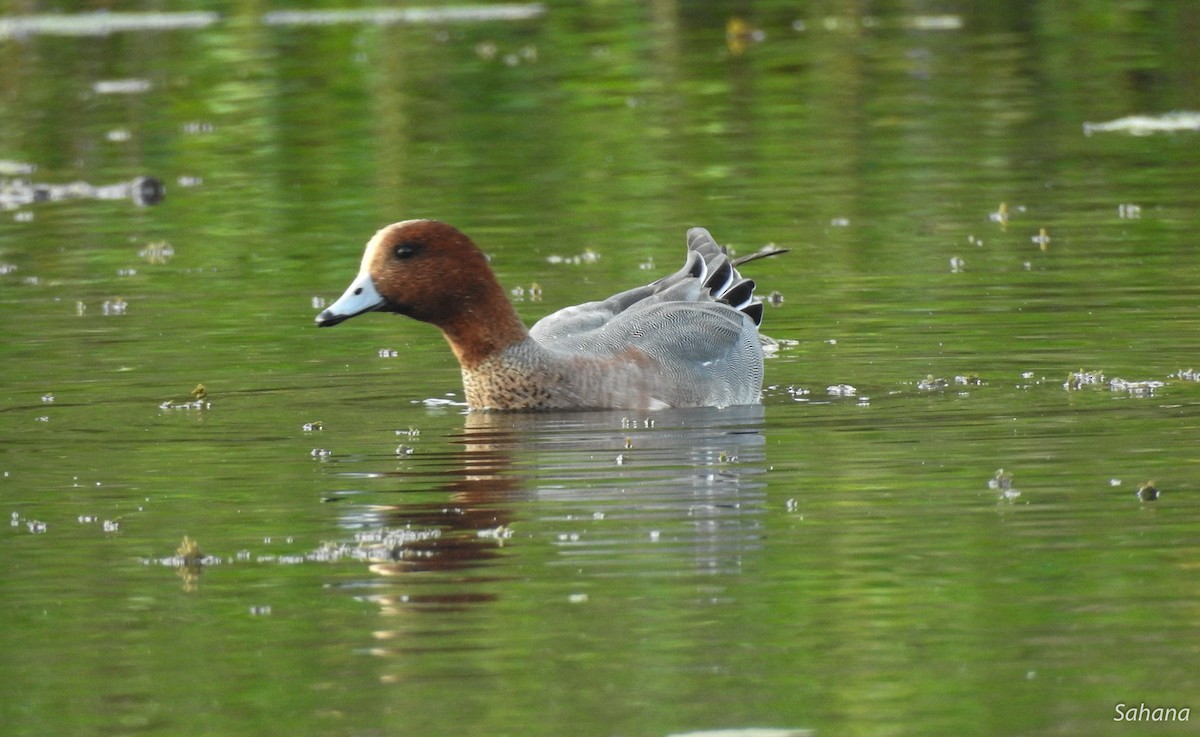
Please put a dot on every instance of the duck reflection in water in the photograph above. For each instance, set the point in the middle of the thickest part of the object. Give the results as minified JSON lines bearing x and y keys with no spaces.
{"x":677,"y":491}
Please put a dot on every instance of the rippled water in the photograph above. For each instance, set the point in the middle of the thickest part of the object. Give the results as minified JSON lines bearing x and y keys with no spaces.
{"x":938,"y":522}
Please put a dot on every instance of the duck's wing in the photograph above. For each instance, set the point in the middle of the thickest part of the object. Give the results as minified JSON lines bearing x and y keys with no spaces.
{"x":708,"y":283}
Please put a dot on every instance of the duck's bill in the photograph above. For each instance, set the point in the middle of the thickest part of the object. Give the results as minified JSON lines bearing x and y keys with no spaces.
{"x":361,"y":296}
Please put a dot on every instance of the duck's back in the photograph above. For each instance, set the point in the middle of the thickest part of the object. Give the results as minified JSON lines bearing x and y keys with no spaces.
{"x":689,"y":339}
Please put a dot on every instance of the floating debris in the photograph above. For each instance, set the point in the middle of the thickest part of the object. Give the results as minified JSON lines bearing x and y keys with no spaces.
{"x":587,"y":257}
{"x":798,"y":393}
{"x":142,"y":191}
{"x":841,"y":390}
{"x":372,"y":546}
{"x":116,"y":306}
{"x":747,"y":732}
{"x":448,"y":401}
{"x":534,"y":292}
{"x":188,"y":562}
{"x":1042,"y":239}
{"x":740,"y":35}
{"x":189,"y":553}
{"x":199,"y":400}
{"x":633,"y":422}
{"x":159,"y":252}
{"x":957,"y":265}
{"x":840,"y":222}
{"x":1187,"y":375}
{"x":932,"y":22}
{"x":121,"y":86}
{"x":1000,"y":215}
{"x":1002,"y":482}
{"x":486,"y":50}
{"x":930,"y":383}
{"x":197,"y":127}
{"x":772,"y":346}
{"x":968,"y":380}
{"x":1129,"y":211}
{"x":9,"y":168}
{"x":388,"y":353}
{"x":315,"y":426}
{"x":501,"y":533}
{"x":1079,"y":379}
{"x":1136,"y":388}
{"x":382,"y":545}
{"x":1146,"y":125}
{"x":388,"y":16}
{"x":101,"y":23}
{"x":1147,"y":491}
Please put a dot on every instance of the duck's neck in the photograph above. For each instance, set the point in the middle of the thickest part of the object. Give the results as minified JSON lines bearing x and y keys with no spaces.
{"x":484,"y":326}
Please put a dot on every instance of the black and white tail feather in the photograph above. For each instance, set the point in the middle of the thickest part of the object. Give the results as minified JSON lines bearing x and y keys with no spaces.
{"x":710,"y":262}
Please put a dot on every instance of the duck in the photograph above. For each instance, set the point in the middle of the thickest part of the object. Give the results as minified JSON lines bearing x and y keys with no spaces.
{"x":690,"y":339}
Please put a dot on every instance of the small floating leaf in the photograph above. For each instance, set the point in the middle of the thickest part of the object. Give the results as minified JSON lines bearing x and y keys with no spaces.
{"x":189,"y":552}
{"x":1147,"y":491}
{"x":1042,"y":239}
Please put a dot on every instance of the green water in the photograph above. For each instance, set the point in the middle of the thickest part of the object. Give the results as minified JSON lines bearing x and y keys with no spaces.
{"x":838,"y":562}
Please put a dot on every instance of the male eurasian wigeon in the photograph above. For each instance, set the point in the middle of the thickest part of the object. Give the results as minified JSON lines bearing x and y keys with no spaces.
{"x":687,"y":340}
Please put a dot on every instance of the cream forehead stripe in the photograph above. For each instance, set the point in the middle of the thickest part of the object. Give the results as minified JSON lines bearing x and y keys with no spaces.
{"x":376,"y":241}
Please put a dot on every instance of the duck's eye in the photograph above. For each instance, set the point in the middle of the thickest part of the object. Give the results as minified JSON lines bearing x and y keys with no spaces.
{"x":406,"y":249}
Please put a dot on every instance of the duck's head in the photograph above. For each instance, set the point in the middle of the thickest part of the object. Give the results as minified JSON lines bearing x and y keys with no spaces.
{"x":425,"y":269}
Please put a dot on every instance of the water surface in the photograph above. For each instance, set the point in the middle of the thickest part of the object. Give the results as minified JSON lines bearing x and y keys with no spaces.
{"x":931,"y":525}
